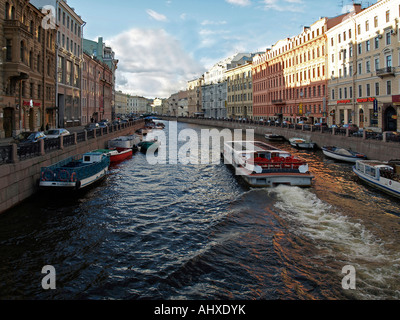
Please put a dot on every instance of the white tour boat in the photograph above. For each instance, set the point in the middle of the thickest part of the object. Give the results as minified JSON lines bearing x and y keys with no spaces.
{"x":384,"y":176}
{"x":262,"y":165}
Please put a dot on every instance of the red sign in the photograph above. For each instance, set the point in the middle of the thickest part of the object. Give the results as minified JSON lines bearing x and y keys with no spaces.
{"x":343,"y":101}
{"x":366,"y":100}
{"x":28,"y":104}
{"x":396,"y":99}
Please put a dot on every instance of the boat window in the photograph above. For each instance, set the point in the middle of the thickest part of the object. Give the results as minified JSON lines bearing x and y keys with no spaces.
{"x":370,"y":171}
{"x":87,"y":159}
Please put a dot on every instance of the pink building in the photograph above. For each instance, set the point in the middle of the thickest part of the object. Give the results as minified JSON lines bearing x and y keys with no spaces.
{"x":97,"y":90}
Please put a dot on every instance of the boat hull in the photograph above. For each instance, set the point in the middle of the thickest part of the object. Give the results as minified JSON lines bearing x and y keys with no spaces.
{"x":119,"y":156}
{"x":339,"y":157}
{"x":385,"y":185}
{"x":79,"y":185}
{"x":303,"y":145}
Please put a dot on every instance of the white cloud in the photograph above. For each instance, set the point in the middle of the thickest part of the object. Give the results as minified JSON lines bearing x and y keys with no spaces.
{"x":241,"y":3}
{"x":208,"y":22}
{"x":156,"y":16}
{"x":152,"y":63}
{"x":283,"y":5}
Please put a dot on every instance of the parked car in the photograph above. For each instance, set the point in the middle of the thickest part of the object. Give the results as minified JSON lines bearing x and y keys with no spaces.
{"x":321,"y":124}
{"x":352,"y":127}
{"x":22,"y":137}
{"x":56,"y":133}
{"x":92,"y":126}
{"x":34,"y":137}
{"x":102,"y":125}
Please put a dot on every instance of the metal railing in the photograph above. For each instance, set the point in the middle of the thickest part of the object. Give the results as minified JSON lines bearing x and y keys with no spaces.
{"x":31,"y":150}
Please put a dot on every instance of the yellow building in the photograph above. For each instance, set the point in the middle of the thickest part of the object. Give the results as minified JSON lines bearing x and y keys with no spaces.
{"x":240,"y":92}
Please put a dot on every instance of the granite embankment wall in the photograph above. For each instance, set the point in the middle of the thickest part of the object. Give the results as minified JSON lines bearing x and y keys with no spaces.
{"x":374,"y":149}
{"x":20,"y":180}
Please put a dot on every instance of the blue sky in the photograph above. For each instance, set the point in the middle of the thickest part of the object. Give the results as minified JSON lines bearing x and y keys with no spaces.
{"x":161,"y":44}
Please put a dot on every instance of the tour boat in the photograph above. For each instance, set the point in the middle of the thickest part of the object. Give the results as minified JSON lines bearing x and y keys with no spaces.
{"x":125,"y":142}
{"x":343,"y":154}
{"x":384,"y":176}
{"x":262,"y":165}
{"x":118,"y":154}
{"x":274,"y":137}
{"x":301,"y":143}
{"x":75,"y":173}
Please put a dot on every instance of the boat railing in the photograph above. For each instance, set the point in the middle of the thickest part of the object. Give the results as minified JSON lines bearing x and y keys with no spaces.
{"x":281,"y":164}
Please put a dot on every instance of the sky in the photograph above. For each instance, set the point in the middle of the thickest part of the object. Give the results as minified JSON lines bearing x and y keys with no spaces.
{"x":163,"y":44}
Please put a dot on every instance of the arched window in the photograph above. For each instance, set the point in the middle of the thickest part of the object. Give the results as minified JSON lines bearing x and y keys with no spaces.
{"x":12,"y":13}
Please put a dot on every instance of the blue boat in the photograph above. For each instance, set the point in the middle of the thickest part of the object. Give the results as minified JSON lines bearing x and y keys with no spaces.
{"x":75,"y":173}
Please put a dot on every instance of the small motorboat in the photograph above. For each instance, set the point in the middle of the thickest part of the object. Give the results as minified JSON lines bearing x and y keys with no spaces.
{"x":125,"y":142}
{"x":274,"y":137}
{"x":117,"y":155}
{"x":380,"y":175}
{"x":144,"y":146}
{"x":342,"y":154}
{"x":301,"y":143}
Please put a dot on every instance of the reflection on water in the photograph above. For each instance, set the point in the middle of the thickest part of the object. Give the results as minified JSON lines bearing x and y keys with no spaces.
{"x":195,"y":232}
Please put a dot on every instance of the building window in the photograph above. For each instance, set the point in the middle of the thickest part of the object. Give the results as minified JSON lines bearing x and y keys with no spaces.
{"x":376,"y":22}
{"x":368,"y":45}
{"x":368,"y":90}
{"x":377,"y":89}
{"x":389,"y":87}
{"x":360,"y":91}
{"x":377,"y":42}
{"x":388,"y":38}
{"x":360,"y":48}
{"x":388,"y":61}
{"x":22,"y":51}
{"x":377,"y":64}
{"x":360,"y":68}
{"x":368,"y":66}
{"x":9,"y":50}
{"x":388,"y":16}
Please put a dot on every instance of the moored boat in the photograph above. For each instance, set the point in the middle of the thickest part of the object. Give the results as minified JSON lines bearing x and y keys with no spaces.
{"x":384,"y":176}
{"x":301,"y":143}
{"x":274,"y":137}
{"x":144,"y":146}
{"x":118,"y":154}
{"x":125,"y":142}
{"x":343,"y":154}
{"x":75,"y":173}
{"x":262,"y":165}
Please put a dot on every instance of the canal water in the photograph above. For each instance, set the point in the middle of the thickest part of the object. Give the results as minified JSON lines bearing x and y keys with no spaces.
{"x":197,"y":232}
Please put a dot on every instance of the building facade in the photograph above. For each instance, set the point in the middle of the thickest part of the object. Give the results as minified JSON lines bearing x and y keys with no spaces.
{"x":69,"y":61}
{"x":364,"y":68}
{"x":240,"y":92}
{"x":195,"y":97}
{"x":121,"y":104}
{"x":97,"y":91}
{"x":28,"y":57}
{"x":104,"y":54}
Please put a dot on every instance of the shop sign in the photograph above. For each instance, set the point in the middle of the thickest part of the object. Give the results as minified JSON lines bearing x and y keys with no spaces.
{"x":396,"y":100}
{"x":364,"y":100}
{"x":343,"y":101}
{"x":31,"y":104}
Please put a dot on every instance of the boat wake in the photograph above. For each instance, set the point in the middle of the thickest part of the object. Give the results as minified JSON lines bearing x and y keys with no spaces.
{"x":339,"y":238}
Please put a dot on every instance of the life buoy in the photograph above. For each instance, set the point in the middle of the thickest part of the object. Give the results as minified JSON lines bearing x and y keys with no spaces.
{"x":73,"y":177}
{"x":47,"y":175}
{"x":63,"y":176}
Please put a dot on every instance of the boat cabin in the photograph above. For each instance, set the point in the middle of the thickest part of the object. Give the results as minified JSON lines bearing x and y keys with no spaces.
{"x":92,"y":157}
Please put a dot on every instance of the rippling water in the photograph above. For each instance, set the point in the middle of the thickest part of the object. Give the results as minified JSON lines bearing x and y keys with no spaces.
{"x":196,"y":232}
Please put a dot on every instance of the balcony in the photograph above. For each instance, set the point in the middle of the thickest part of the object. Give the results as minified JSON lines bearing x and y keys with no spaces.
{"x":385,"y":72}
